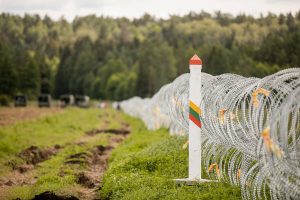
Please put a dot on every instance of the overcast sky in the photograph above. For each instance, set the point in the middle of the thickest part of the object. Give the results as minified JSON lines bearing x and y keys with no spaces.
{"x":136,"y":8}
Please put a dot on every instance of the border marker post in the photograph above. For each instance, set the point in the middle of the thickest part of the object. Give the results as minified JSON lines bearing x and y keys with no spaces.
{"x":194,"y":119}
{"x":195,"y":124}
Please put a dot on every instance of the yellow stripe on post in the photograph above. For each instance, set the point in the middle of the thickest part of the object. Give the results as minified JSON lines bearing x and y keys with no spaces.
{"x":195,"y":108}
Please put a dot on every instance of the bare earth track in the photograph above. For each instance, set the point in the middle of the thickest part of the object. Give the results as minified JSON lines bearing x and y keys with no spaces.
{"x":94,"y":158}
{"x":9,"y":116}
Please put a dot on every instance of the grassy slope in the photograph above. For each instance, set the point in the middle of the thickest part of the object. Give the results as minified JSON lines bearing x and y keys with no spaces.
{"x":141,"y":168}
{"x":64,"y":129}
{"x":45,"y":132}
{"x":145,"y":164}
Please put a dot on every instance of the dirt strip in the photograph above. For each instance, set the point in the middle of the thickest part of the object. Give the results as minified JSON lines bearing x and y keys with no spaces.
{"x":10,"y":116}
{"x":95,"y":161}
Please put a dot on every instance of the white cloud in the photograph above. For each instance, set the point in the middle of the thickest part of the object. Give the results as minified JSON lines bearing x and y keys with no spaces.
{"x":136,"y":8}
{"x":16,"y":5}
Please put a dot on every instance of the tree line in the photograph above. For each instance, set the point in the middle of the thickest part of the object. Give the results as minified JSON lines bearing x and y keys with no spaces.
{"x":117,"y":58}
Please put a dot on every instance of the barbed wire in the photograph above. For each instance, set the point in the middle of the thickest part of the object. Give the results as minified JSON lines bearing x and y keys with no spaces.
{"x":251,"y":128}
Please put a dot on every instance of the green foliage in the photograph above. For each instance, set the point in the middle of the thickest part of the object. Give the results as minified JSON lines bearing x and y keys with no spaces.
{"x":117,"y":58}
{"x":143,"y":167}
{"x":8,"y":73}
{"x":4,"y":100}
{"x":156,"y":66}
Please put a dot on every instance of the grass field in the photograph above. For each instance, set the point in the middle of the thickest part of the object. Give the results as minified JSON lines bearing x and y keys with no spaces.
{"x":143,"y":167}
{"x":68,"y":152}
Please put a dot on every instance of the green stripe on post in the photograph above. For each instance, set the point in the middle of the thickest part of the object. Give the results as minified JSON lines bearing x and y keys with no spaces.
{"x":194,"y":113}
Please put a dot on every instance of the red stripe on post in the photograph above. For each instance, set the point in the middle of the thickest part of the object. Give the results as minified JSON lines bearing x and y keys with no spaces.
{"x":195,"y":60}
{"x":193,"y":119}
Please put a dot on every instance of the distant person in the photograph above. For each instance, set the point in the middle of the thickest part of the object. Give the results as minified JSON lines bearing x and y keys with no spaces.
{"x":118,"y":106}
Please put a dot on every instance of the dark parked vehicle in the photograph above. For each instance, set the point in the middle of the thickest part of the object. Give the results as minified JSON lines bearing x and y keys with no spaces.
{"x":66,"y":100}
{"x":20,"y":101}
{"x":82,"y":101}
{"x":44,"y":100}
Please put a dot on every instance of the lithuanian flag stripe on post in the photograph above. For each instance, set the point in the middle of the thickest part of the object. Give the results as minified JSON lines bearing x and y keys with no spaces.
{"x":195,"y":113}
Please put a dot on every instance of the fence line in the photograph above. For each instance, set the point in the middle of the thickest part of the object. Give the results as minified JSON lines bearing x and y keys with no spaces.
{"x":251,"y":128}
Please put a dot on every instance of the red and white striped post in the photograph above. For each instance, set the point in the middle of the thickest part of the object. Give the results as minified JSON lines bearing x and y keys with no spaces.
{"x":195,"y":124}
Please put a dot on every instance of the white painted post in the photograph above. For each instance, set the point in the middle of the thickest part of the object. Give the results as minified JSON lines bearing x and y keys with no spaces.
{"x":194,"y":119}
{"x":195,"y":125}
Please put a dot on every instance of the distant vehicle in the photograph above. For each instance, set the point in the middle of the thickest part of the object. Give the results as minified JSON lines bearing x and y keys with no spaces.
{"x":44,"y":100}
{"x":20,"y":101}
{"x":82,"y":101}
{"x":67,"y":100}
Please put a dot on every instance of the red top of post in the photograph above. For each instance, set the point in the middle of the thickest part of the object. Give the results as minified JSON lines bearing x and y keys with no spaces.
{"x":195,"y":60}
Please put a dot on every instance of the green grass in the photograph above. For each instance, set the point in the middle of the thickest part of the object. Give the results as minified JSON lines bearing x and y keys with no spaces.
{"x":66,"y":129}
{"x":143,"y":167}
{"x":45,"y":132}
{"x":48,"y":173}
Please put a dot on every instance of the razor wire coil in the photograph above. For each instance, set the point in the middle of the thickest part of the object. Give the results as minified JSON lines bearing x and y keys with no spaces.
{"x":251,"y":128}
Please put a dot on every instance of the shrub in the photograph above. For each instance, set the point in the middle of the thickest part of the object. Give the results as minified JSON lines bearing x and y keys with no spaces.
{"x":4,"y":100}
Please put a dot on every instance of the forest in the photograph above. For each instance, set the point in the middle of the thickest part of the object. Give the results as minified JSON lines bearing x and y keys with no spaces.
{"x":117,"y":58}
